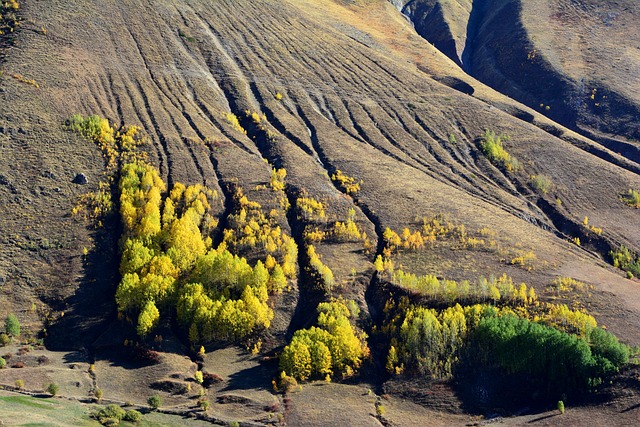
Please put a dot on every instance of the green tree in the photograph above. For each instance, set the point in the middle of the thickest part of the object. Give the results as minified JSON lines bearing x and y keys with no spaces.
{"x":53,"y":389}
{"x":154,"y":401}
{"x":12,"y":325}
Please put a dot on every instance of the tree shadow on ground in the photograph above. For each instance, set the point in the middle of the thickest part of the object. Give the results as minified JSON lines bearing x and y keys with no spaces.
{"x":92,"y":306}
{"x":255,"y":378}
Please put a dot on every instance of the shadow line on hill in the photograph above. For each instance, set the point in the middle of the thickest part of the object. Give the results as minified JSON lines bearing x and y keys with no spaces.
{"x":542,"y":418}
{"x":256,"y":377}
{"x":631,"y":408}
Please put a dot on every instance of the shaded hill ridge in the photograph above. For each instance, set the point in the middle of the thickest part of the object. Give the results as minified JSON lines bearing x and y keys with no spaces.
{"x":563,"y":58}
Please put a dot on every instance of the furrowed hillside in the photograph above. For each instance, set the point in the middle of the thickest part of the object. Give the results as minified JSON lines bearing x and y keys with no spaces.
{"x":209,"y":201}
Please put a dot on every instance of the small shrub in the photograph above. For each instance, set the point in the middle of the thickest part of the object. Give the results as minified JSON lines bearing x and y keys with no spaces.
{"x":4,"y":339}
{"x":3,"y":363}
{"x":145,"y":355}
{"x":53,"y":389}
{"x":110,"y":422}
{"x":380,"y":410}
{"x":111,"y":415}
{"x":112,"y":411}
{"x":277,"y":179}
{"x":208,"y":379}
{"x":626,"y":260}
{"x":154,"y":401}
{"x":19,"y":384}
{"x":493,"y":148}
{"x":232,"y":119}
{"x":203,"y":404}
{"x":42,"y":360}
{"x":561,"y":407}
{"x":132,"y":416}
{"x":631,"y":198}
{"x":568,"y":284}
{"x":541,"y":183}
{"x":347,"y":183}
{"x":310,"y":208}
{"x":287,"y":383}
{"x":234,"y":424}
{"x":198,"y":377}
{"x":98,"y":393}
{"x":26,"y":80}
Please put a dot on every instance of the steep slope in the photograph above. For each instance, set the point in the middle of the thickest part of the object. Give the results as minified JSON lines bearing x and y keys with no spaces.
{"x":562,"y":58}
{"x":337,"y":85}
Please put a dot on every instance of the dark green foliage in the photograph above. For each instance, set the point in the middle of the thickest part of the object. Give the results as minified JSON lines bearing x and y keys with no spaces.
{"x":561,"y":352}
{"x":12,"y":325}
{"x":608,"y":352}
{"x":551,"y":361}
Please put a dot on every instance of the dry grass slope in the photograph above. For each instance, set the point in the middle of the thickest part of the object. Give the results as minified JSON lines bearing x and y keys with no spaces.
{"x":337,"y":85}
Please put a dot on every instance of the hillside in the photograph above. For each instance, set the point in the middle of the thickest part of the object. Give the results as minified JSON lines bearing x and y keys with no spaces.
{"x":564,"y":59}
{"x":227,"y":91}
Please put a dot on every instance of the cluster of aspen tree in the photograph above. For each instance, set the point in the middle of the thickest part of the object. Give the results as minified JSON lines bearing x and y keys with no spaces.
{"x":331,"y":348}
{"x":168,"y":265}
{"x":552,"y":346}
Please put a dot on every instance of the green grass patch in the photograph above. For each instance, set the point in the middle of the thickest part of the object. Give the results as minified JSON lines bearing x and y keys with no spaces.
{"x":29,"y":401}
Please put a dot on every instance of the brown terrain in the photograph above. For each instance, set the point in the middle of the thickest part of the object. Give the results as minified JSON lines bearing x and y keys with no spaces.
{"x":397,"y":102}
